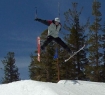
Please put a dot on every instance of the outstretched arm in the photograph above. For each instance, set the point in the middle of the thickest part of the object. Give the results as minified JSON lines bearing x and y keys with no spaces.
{"x":44,"y":21}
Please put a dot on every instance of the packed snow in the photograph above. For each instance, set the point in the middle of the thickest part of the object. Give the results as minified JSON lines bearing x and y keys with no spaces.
{"x":63,"y":87}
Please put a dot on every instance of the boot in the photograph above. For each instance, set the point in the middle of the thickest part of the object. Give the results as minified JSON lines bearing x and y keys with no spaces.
{"x":69,"y":51}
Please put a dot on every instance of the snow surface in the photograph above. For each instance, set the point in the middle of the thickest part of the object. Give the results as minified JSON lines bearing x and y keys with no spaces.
{"x":63,"y":87}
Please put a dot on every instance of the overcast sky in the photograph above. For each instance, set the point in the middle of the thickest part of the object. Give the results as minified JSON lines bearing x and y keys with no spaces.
{"x":18,"y":30}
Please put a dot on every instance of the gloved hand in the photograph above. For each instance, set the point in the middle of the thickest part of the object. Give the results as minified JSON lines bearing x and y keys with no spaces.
{"x":36,"y":19}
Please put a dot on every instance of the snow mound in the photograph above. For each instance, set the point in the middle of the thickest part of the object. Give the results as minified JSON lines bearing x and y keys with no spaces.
{"x":63,"y":87}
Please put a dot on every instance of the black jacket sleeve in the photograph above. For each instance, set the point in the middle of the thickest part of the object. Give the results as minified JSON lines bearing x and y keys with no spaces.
{"x":43,"y":21}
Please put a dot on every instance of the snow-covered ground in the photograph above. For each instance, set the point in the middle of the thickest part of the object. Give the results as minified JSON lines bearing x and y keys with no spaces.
{"x":63,"y":87}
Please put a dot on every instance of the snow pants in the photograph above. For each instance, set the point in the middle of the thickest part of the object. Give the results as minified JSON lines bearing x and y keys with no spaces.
{"x":57,"y":40}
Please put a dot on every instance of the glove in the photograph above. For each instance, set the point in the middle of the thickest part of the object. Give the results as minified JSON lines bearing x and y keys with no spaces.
{"x":37,"y":19}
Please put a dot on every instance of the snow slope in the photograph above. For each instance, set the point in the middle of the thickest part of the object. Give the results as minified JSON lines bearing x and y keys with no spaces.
{"x":63,"y":87}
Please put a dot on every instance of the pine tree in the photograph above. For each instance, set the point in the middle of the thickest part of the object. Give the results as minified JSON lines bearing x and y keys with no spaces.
{"x":102,"y":72}
{"x":10,"y":69}
{"x":95,"y":44}
{"x":75,"y":39}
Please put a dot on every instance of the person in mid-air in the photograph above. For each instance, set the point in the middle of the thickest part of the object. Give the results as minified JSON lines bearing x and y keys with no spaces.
{"x":54,"y":26}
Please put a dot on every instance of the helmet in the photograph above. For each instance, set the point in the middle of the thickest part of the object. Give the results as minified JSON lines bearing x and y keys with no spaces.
{"x":57,"y":19}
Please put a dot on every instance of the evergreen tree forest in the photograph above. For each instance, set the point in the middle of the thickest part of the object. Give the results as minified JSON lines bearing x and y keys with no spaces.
{"x":88,"y":64}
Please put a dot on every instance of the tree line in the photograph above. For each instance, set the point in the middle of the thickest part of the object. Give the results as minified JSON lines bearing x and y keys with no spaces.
{"x":89,"y":64}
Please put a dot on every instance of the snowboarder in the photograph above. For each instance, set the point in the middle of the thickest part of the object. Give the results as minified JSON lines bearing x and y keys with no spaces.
{"x":54,"y":26}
